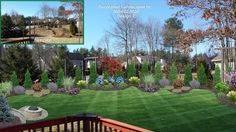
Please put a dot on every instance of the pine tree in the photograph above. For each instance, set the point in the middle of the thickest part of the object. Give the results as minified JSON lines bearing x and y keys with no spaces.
{"x":173,"y":73}
{"x":202,"y":78}
{"x":144,"y":70}
{"x":60,"y":77}
{"x":158,"y":72}
{"x":18,"y":58}
{"x":131,"y":70}
{"x":14,"y":79}
{"x":28,"y":81}
{"x":105,"y":74}
{"x":44,"y":79}
{"x":93,"y":74}
{"x":5,"y":114}
{"x":187,"y":74}
{"x":216,"y":75}
{"x":78,"y":75}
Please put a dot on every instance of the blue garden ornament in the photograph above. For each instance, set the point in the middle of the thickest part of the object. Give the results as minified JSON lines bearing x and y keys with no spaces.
{"x":119,"y":79}
{"x":99,"y":81}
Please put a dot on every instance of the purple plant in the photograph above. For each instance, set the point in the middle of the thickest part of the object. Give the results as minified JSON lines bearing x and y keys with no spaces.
{"x":52,"y":87}
{"x":19,"y":90}
{"x":61,"y":90}
{"x":164,"y":82}
{"x":73,"y":91}
{"x":194,"y":84}
{"x":142,"y":86}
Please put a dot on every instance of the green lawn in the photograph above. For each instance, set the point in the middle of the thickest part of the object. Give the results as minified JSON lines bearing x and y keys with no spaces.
{"x":197,"y":111}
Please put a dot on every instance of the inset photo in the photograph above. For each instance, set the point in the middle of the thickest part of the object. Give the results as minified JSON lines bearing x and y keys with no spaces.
{"x":42,"y":22}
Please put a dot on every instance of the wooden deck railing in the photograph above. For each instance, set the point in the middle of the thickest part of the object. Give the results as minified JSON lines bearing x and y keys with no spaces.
{"x":21,"y":41}
{"x":81,"y":123}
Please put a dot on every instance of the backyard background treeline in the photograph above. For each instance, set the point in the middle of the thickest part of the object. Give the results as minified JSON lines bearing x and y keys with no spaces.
{"x":39,"y":58}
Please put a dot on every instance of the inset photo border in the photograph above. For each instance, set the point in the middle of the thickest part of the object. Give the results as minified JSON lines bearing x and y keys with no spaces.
{"x":42,"y":22}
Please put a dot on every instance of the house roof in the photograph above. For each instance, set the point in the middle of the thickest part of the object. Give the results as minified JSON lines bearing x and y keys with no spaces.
{"x":217,"y":58}
{"x":75,"y":56}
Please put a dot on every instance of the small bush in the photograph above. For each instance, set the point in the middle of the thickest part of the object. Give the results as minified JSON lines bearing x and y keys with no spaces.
{"x":19,"y":90}
{"x":194,"y":84}
{"x":222,"y":87}
{"x":28,"y":81}
{"x":5,"y":88}
{"x":5,"y":114}
{"x":201,"y":75}
{"x":173,"y":73}
{"x":94,"y":86}
{"x":164,"y":82}
{"x":178,"y":84}
{"x":122,"y":85}
{"x":93,"y":74}
{"x":216,"y":75}
{"x":232,"y":96}
{"x":44,"y":79}
{"x":37,"y":87}
{"x":134,"y":80}
{"x":158,"y":72}
{"x":119,"y":80}
{"x":14,"y":79}
{"x":82,"y":84}
{"x":61,"y":90}
{"x":108,"y":86}
{"x":131,"y":70}
{"x":60,"y":77}
{"x":73,"y":91}
{"x":187,"y":74}
{"x":144,"y":70}
{"x":52,"y":87}
{"x":149,"y":80}
{"x":68,"y":83}
{"x":78,"y":75}
{"x":105,"y":75}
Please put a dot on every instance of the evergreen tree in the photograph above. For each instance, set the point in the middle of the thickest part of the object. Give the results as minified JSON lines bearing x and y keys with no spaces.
{"x":60,"y":77}
{"x":14,"y":79}
{"x":93,"y":74}
{"x":144,"y":70}
{"x":44,"y":79}
{"x":131,"y":70}
{"x":28,"y":81}
{"x":216,"y":75}
{"x":187,"y":74}
{"x":60,"y":61}
{"x":78,"y":75}
{"x":18,"y":58}
{"x":202,"y":78}
{"x":5,"y":114}
{"x":73,"y":28}
{"x":173,"y":73}
{"x":119,"y":73}
{"x":158,"y":72}
{"x":105,"y":74}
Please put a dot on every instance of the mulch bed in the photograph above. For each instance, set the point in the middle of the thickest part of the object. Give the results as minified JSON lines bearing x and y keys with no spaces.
{"x":178,"y":91}
{"x":226,"y":101}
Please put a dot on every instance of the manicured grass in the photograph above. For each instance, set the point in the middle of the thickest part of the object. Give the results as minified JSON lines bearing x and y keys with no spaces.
{"x":197,"y":111}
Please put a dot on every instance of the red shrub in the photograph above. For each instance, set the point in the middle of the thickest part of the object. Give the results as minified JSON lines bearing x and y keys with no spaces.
{"x":110,"y":64}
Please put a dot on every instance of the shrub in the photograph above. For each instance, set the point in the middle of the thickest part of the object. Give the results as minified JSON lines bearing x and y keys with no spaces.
{"x":134,"y":80}
{"x":73,"y":91}
{"x":73,"y":28}
{"x":144,"y":70}
{"x":216,"y":75}
{"x":44,"y":79}
{"x":14,"y":80}
{"x":105,"y":75}
{"x":94,"y":86}
{"x":99,"y":81}
{"x":60,"y":77}
{"x":187,"y":74}
{"x":164,"y":82}
{"x":149,"y":80}
{"x":52,"y":87}
{"x":119,"y":73}
{"x":158,"y":72}
{"x":108,"y":86}
{"x":131,"y":70}
{"x":111,"y":65}
{"x":122,"y":85}
{"x":93,"y":74}
{"x":232,"y":96}
{"x":82,"y":84}
{"x":201,"y":75}
{"x":5,"y":88}
{"x":5,"y":114}
{"x":61,"y":90}
{"x":173,"y":73}
{"x":78,"y":75}
{"x":68,"y":83}
{"x":229,"y":68}
{"x":222,"y":87}
{"x":28,"y":81}
{"x":37,"y":87}
{"x":178,"y":84}
{"x":194,"y":84}
{"x":119,"y":79}
{"x":19,"y":90}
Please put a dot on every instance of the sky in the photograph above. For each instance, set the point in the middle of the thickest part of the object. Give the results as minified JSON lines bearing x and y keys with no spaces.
{"x":98,"y":20}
